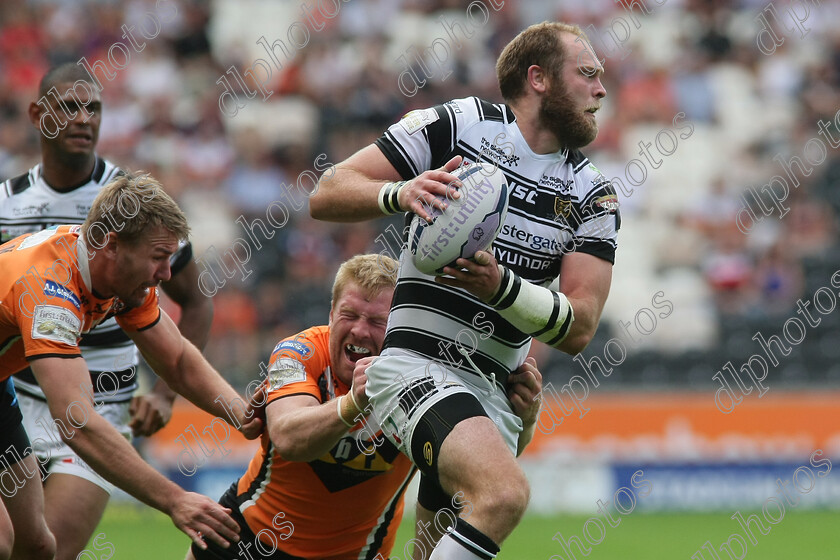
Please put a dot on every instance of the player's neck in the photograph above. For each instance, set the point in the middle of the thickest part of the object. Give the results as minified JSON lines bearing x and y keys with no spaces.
{"x":540,"y":140}
{"x":99,"y":275}
{"x":64,"y":176}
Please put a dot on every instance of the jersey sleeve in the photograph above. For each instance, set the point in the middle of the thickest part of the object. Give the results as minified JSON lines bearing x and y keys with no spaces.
{"x":50,"y":324}
{"x":143,"y":317}
{"x":597,"y":216}
{"x":295,"y":367}
{"x":424,"y":138}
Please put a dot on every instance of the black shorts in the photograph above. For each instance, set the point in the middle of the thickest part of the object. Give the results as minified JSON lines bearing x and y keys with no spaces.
{"x":12,"y":433}
{"x":247,"y":539}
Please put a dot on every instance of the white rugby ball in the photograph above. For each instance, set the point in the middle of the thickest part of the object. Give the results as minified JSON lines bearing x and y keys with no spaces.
{"x":470,"y":223}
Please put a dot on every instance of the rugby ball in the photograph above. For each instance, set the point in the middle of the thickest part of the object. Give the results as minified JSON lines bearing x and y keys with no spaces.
{"x":469,"y":224}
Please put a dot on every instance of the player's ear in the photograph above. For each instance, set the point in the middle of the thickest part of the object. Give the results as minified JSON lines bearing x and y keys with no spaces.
{"x":34,"y":112}
{"x":110,"y":246}
{"x":537,"y":78}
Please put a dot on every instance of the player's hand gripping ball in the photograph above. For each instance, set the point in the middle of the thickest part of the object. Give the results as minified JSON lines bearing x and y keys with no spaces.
{"x":469,"y":224}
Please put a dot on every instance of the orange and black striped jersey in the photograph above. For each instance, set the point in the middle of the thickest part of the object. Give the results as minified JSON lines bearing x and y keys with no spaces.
{"x":47,"y":301}
{"x":343,"y":505}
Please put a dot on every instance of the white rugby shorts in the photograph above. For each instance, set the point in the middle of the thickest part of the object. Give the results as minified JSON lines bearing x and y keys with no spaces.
{"x":395,"y":371}
{"x":50,"y":449}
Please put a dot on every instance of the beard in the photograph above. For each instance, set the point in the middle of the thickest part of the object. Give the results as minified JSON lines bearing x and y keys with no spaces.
{"x":569,"y":124}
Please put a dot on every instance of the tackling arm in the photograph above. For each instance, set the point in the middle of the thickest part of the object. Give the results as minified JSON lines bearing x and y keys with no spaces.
{"x":67,"y":387}
{"x":303,"y":430}
{"x":181,"y":365}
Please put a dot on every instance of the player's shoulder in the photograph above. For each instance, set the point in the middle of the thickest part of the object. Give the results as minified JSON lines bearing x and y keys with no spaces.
{"x":460,"y":113}
{"x":305,"y":345}
{"x":46,"y":242}
{"x":14,"y":186}
{"x":587,"y":176}
{"x":472,"y":110}
{"x":594,"y":192}
{"x":297,"y":357}
{"x":105,"y":171}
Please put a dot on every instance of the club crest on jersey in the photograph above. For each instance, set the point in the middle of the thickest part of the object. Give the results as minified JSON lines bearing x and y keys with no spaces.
{"x":562,"y":207}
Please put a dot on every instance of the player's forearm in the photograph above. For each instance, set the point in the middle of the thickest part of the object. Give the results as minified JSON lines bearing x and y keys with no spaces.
{"x":587,"y":316}
{"x":347,"y":196}
{"x":564,"y":322}
{"x":113,"y":458}
{"x":309,"y":432}
{"x":197,"y":381}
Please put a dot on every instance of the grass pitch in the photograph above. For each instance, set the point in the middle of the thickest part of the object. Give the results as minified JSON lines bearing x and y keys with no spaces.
{"x":141,"y":533}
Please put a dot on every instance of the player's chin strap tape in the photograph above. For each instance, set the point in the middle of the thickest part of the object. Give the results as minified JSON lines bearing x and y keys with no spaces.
{"x":389,"y":197}
{"x":540,"y":312}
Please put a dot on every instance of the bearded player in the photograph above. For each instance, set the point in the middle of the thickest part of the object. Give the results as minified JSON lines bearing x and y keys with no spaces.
{"x":561,"y":223}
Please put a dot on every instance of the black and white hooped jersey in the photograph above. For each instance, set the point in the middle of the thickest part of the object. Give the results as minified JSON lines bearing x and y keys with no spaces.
{"x":28,"y":204}
{"x":558,"y":203}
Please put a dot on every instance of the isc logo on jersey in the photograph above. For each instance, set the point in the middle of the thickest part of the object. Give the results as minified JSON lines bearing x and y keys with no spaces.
{"x":469,"y":223}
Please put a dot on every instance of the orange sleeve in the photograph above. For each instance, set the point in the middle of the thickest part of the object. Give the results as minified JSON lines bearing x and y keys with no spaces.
{"x":52,"y":326}
{"x":143,"y":317}
{"x":296,"y":365}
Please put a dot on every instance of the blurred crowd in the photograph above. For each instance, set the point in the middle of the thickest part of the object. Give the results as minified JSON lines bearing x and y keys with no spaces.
{"x":699,"y":57}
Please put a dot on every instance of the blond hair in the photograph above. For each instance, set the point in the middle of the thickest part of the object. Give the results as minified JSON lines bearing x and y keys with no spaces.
{"x":538,"y":44}
{"x":129,"y":206}
{"x":372,"y":273}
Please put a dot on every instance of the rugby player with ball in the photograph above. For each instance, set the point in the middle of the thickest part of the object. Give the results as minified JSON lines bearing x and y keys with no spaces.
{"x":461,"y":431}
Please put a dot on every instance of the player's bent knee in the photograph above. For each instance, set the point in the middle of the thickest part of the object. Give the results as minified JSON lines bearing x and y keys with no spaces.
{"x":41,"y":547}
{"x":505,"y":500}
{"x":510,"y":500}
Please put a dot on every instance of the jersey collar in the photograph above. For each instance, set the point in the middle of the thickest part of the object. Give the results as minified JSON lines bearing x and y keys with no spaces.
{"x":84,"y":264}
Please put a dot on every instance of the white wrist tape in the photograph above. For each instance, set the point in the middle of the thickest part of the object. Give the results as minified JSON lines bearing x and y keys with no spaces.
{"x":338,"y":402}
{"x":544,"y":314}
{"x":389,"y":201}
